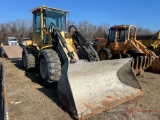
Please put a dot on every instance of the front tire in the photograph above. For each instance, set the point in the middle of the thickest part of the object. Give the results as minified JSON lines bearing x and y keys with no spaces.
{"x":49,"y":67}
{"x":105,"y":54}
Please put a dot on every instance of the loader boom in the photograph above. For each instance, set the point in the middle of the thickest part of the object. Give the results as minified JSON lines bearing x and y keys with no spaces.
{"x":143,"y":49}
{"x":85,"y":50}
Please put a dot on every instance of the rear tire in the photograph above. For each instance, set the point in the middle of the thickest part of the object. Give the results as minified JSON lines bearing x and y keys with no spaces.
{"x":2,"y":54}
{"x":105,"y":54}
{"x":49,"y":67}
{"x":28,"y":61}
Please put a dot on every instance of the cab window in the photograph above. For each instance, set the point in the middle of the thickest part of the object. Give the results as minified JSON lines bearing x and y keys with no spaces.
{"x":36,"y":22}
{"x":111,"y":35}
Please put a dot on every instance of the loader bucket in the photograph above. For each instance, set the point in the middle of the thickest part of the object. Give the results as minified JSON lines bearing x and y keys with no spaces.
{"x":140,"y":63}
{"x":155,"y":66}
{"x":88,"y":88}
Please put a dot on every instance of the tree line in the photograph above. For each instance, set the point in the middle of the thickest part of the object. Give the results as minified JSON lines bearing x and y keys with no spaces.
{"x":16,"y":29}
{"x":89,"y":30}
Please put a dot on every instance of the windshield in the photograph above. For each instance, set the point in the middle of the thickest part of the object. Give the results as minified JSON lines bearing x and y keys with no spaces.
{"x":56,"y":17}
{"x":121,"y":34}
{"x":132,"y":32}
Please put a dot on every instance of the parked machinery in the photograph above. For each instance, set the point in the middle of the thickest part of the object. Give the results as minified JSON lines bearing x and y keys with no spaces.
{"x":86,"y":86}
{"x":152,"y":42}
{"x":10,"y":49}
{"x":122,"y":43}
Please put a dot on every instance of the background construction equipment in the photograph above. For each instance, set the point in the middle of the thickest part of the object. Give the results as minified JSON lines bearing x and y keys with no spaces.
{"x":152,"y":42}
{"x":10,"y":49}
{"x":122,"y":43}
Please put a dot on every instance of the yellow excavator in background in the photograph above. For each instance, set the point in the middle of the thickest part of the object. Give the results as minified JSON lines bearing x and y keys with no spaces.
{"x":122,"y":43}
{"x":86,"y":85}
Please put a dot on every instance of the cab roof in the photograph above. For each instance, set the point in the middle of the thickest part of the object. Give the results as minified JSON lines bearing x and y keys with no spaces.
{"x":45,"y":7}
{"x":120,"y":26}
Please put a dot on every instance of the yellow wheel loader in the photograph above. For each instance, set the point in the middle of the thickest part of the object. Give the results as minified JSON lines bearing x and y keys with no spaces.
{"x":152,"y":41}
{"x":86,"y":86}
{"x":122,"y":43}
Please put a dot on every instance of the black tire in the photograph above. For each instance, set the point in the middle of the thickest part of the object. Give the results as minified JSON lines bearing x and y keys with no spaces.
{"x":124,"y":55}
{"x":105,"y":54}
{"x":134,"y":53}
{"x":49,"y":67}
{"x":2,"y":54}
{"x":28,"y":60}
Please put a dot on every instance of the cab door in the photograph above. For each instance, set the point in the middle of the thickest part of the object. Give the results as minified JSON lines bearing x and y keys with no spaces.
{"x":36,"y":28}
{"x":117,"y":39}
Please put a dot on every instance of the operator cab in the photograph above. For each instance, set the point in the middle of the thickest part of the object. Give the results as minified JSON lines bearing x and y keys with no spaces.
{"x":121,"y":33}
{"x":44,"y":20}
{"x":119,"y":37}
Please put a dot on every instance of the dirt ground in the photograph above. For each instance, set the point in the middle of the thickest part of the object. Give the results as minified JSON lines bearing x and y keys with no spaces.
{"x":29,"y":100}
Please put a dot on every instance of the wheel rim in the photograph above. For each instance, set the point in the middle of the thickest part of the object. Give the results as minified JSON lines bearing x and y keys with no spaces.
{"x":24,"y":60}
{"x":43,"y":68}
{"x":103,"y":56}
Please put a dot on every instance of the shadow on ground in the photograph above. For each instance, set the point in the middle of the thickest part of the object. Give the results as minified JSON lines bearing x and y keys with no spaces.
{"x":18,"y":64}
{"x":51,"y":93}
{"x":31,"y":74}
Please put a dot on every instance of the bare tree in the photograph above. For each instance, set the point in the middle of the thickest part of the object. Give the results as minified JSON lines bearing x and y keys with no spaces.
{"x":69,"y":23}
{"x":23,"y":28}
{"x":143,"y":31}
{"x":91,"y":31}
{"x":2,"y":33}
{"x":19,"y":28}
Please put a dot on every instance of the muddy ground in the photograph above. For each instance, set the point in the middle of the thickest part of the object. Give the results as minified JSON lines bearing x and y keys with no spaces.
{"x":29,"y":100}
